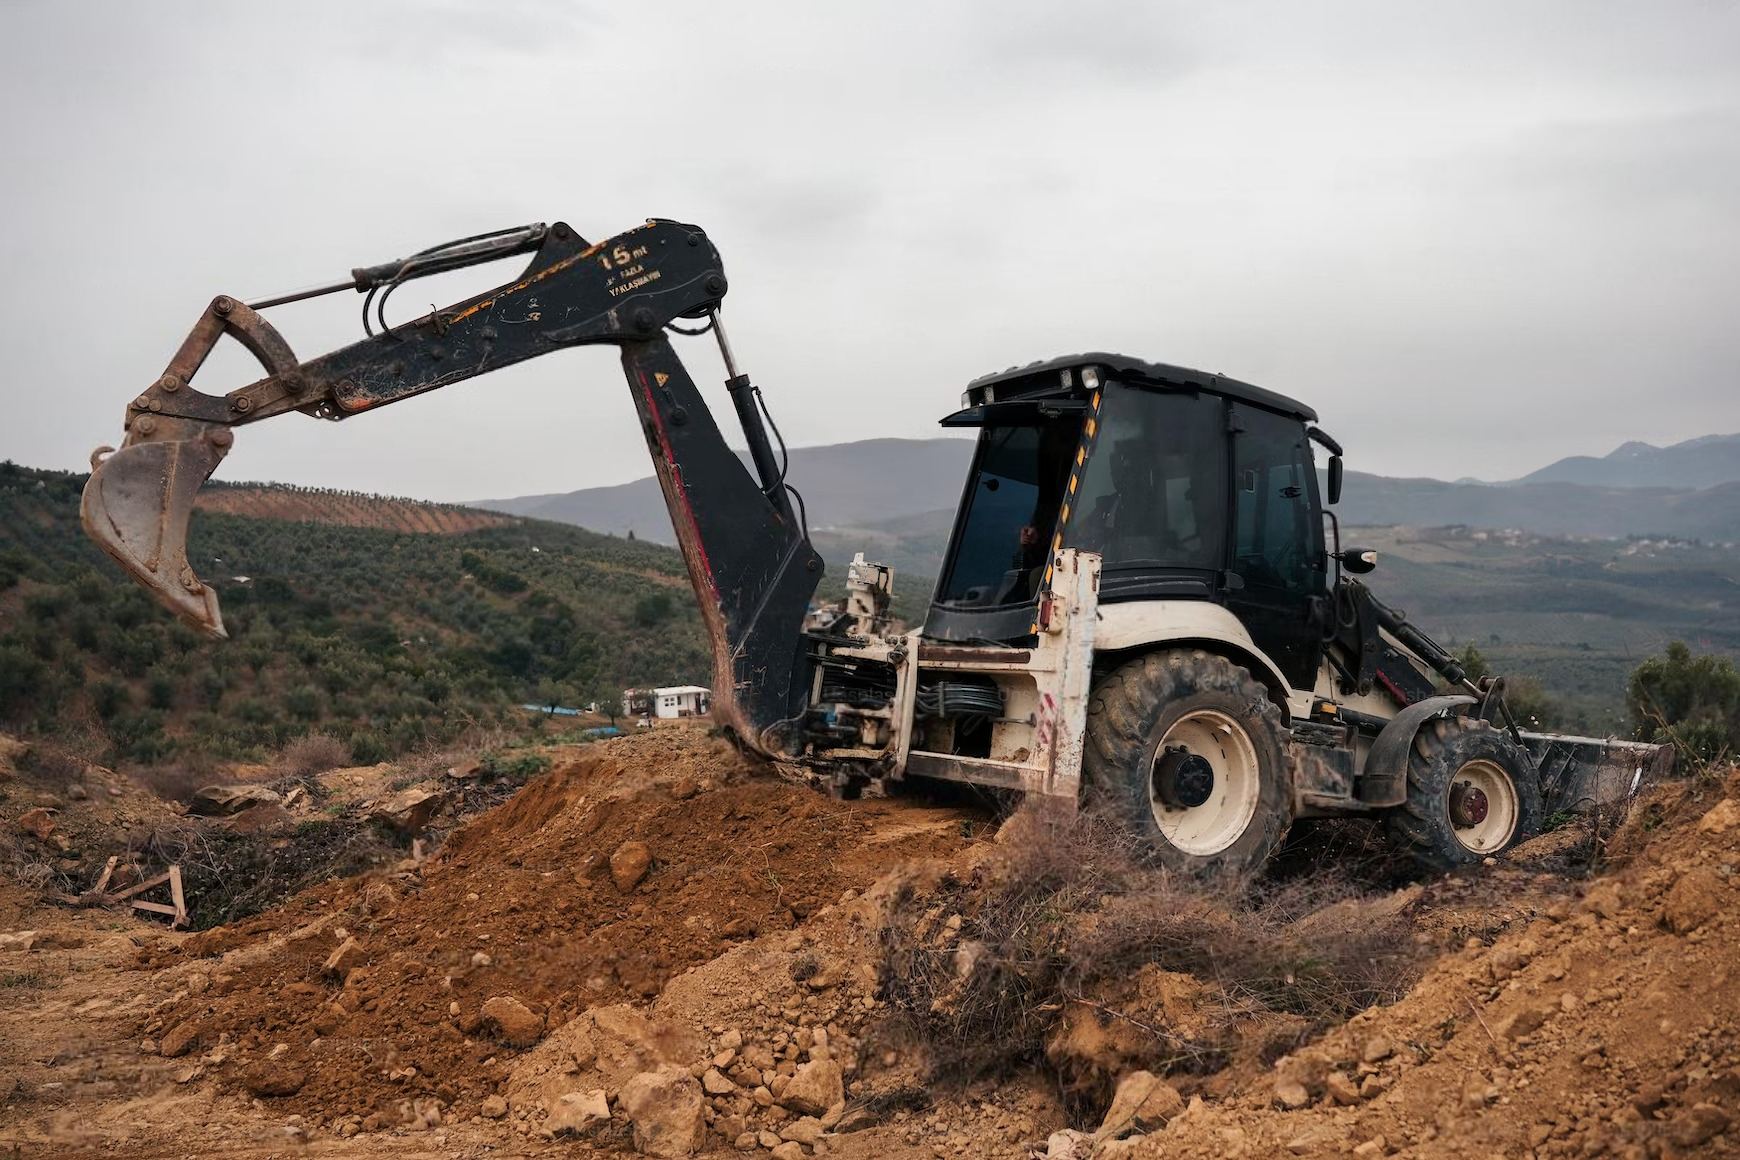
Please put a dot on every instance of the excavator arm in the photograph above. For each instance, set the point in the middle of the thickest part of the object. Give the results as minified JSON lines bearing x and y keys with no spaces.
{"x":749,"y":558}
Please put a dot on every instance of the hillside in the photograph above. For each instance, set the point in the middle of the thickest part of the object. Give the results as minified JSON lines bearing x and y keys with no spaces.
{"x":277,"y":501}
{"x":382,"y":637}
{"x":1696,"y":463}
{"x":1577,"y":615}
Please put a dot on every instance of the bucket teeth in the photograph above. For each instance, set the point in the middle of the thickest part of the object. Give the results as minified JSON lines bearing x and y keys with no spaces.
{"x":136,"y":506}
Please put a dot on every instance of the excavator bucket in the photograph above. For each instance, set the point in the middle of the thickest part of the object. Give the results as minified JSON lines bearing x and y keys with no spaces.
{"x":137,"y":504}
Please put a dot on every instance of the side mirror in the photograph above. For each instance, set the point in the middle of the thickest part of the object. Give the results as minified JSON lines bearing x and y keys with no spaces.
{"x":1358,"y":561}
{"x":1335,"y":479}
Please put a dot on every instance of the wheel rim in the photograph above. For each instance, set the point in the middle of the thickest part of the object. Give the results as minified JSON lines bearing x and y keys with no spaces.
{"x":1231,"y":802}
{"x":1482,"y":806}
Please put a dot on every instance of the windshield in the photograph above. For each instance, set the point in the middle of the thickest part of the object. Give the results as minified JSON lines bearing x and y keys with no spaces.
{"x":1010,"y":513}
{"x":1154,"y":487}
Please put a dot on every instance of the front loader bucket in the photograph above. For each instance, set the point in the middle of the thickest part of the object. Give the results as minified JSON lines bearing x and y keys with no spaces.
{"x":1581,"y":773}
{"x":136,"y":507}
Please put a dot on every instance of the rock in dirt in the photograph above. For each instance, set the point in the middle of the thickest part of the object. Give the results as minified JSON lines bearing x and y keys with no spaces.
{"x":575,"y":1111}
{"x":1523,"y":1021}
{"x":806,"y":1130}
{"x":815,"y":1088}
{"x":1698,"y":1124}
{"x":1304,"y":1068}
{"x":664,"y":1106}
{"x":20,"y":940}
{"x":1342,"y":1089}
{"x":178,"y":1039}
{"x":216,"y":801}
{"x":38,"y":823}
{"x":1694,"y":900}
{"x":1720,"y":820}
{"x":410,"y":810}
{"x":1065,"y":1145}
{"x":511,"y":1021}
{"x":790,"y":1150}
{"x":1377,"y":1049}
{"x":1603,"y":899}
{"x":494,"y":1108}
{"x":1310,"y":1142}
{"x":629,"y":864}
{"x":856,"y":1120}
{"x":350,"y":954}
{"x":273,"y":1077}
{"x":1142,"y":1103}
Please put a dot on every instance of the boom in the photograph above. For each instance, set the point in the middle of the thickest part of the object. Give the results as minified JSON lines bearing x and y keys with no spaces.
{"x":748,"y":557}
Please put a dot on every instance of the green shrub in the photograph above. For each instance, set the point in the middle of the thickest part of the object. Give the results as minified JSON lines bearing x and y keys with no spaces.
{"x":160,"y":690}
{"x":305,"y":703}
{"x":653,"y":609}
{"x":368,"y":748}
{"x":1691,"y":701}
{"x":109,"y":697}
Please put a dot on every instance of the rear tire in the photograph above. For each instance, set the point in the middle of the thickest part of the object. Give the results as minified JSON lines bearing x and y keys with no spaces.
{"x":1471,"y":794}
{"x":1183,"y":749}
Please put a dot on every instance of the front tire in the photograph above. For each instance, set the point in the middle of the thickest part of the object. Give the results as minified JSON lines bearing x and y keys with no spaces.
{"x":1471,"y":794}
{"x":1183,"y":749}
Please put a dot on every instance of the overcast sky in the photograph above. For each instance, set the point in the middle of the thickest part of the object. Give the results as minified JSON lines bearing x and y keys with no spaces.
{"x":1475,"y":236}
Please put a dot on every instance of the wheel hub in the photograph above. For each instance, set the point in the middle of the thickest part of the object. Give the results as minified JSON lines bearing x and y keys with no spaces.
{"x":1182,"y":779}
{"x":1468,"y":805}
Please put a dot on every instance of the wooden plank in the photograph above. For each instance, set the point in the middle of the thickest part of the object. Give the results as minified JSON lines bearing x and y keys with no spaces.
{"x":154,"y":907}
{"x":143,"y":886}
{"x":108,"y":869}
{"x":180,"y":898}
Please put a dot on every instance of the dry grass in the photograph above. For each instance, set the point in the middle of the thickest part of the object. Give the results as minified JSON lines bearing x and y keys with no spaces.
{"x":179,"y":778}
{"x":23,"y":866}
{"x":229,"y":876}
{"x":310,"y":756}
{"x":1065,"y":913}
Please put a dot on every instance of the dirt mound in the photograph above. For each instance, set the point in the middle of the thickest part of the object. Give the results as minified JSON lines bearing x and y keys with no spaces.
{"x":784,"y":974}
{"x":1606,"y":1024}
{"x":363,"y":995}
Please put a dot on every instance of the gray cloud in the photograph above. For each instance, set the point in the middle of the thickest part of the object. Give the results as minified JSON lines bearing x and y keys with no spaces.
{"x":1476,"y":236}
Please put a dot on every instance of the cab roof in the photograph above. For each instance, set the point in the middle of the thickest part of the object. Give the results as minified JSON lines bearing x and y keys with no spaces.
{"x":1125,"y":367}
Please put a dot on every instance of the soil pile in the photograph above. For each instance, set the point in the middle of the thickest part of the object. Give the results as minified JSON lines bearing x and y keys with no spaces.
{"x":655,"y":948}
{"x":1606,"y":1025}
{"x":625,"y":865}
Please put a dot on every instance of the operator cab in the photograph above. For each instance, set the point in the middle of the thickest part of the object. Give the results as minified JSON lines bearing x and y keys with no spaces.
{"x":1190,"y":486}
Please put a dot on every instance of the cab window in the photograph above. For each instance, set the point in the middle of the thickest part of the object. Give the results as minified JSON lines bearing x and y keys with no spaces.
{"x":1154,"y":486}
{"x":1276,"y":542}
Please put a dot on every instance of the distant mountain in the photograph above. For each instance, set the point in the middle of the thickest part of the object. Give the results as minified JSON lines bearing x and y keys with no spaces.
{"x":1547,"y":508}
{"x":1702,"y":462}
{"x":885,"y":492}
{"x":842,"y":484}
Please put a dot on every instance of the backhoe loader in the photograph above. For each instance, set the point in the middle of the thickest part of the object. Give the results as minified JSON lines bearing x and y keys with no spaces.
{"x":1145,"y":606}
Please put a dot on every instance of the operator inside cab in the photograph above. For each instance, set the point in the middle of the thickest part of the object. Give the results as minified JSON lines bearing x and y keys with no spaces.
{"x":1187,"y":486}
